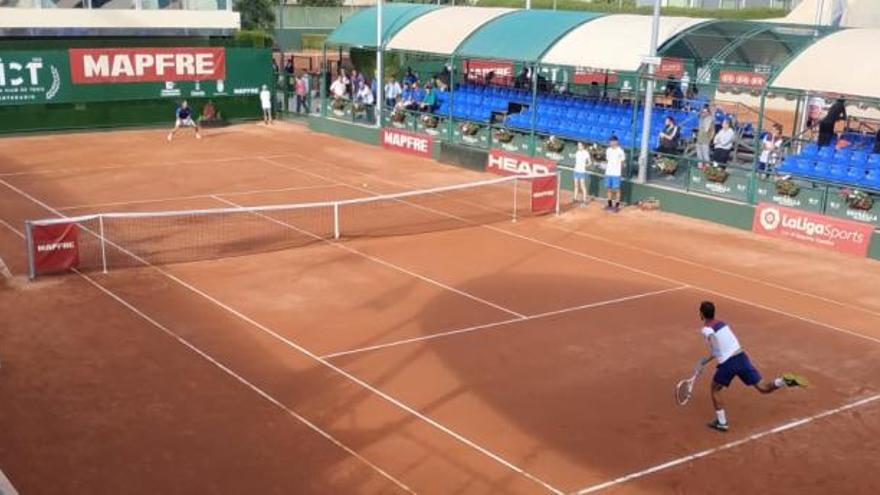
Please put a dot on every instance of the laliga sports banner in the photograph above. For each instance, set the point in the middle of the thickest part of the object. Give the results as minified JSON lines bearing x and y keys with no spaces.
{"x":102,"y":74}
{"x":479,"y":70}
{"x":55,"y":247}
{"x":503,"y":163}
{"x":407,"y":142}
{"x":813,"y":229}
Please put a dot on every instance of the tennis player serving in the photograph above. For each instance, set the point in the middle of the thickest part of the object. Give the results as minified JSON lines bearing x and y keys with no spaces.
{"x":733,"y":362}
{"x":183,"y":117}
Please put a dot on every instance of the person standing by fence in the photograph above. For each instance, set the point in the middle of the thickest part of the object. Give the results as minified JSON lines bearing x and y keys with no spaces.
{"x":301,"y":93}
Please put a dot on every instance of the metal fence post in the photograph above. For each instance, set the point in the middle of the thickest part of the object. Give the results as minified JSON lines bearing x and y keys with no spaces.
{"x":336,"y":221}
{"x":29,"y":241}
{"x":103,"y":243}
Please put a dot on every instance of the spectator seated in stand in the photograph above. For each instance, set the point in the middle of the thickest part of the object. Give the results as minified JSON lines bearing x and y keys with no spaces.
{"x":410,"y":78}
{"x":210,"y":116}
{"x":670,"y":137}
{"x":724,"y":141}
{"x":366,"y":99}
{"x":836,"y":113}
{"x":429,"y":101}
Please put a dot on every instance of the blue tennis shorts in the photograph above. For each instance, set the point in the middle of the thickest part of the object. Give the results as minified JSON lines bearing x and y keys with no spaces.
{"x":738,"y":365}
{"x":580,"y":175}
{"x":612,"y":182}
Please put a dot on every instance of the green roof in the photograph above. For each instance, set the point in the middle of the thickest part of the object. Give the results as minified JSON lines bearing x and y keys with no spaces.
{"x":743,"y":44}
{"x":360,"y":29}
{"x":523,"y":35}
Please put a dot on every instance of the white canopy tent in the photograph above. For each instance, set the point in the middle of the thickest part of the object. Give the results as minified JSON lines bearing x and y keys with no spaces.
{"x":443,"y":30}
{"x":614,"y":42}
{"x":843,"y":13}
{"x":839,"y":63}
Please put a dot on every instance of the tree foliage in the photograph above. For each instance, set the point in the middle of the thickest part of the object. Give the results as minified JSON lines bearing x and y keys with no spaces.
{"x":256,"y":14}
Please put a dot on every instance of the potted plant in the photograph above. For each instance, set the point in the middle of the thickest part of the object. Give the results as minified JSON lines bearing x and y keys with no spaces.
{"x":398,"y":116}
{"x":338,"y":104}
{"x":555,"y":145}
{"x":429,"y":121}
{"x":666,"y":165}
{"x":503,"y":135}
{"x":857,"y":200}
{"x":469,"y":128}
{"x":714,"y":173}
{"x":787,"y":187}
{"x":597,"y":152}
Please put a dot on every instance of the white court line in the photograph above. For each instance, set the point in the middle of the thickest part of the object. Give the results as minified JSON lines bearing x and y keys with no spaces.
{"x":362,"y":383}
{"x":6,"y":487}
{"x":382,"y":262}
{"x":607,"y":261}
{"x":137,"y":166}
{"x":196,"y":196}
{"x":262,"y":393}
{"x":727,"y":446}
{"x":464,"y":440}
{"x":496,"y":324}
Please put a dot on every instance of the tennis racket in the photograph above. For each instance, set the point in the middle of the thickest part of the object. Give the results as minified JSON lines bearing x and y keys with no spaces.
{"x":685,"y":388}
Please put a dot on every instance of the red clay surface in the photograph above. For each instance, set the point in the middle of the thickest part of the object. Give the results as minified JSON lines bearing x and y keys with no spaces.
{"x":531,"y":357}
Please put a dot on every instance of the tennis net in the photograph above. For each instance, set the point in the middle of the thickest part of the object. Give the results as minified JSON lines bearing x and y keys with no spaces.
{"x":116,"y":240}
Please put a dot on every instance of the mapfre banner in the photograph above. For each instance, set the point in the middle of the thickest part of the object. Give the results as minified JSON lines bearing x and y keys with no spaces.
{"x":813,"y":229}
{"x":55,"y":247}
{"x":503,"y":163}
{"x":501,"y":71}
{"x":407,"y":142}
{"x":544,"y":192}
{"x":133,"y":65}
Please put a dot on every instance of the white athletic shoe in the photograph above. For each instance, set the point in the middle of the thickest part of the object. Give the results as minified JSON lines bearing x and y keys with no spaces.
{"x":198,"y":136}
{"x":169,"y":138}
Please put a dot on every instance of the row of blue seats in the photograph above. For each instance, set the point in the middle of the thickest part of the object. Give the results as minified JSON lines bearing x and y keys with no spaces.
{"x":858,"y":176}
{"x":842,"y":156}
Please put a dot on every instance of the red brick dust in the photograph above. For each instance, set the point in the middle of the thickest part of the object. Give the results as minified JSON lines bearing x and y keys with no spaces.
{"x":518,"y":357}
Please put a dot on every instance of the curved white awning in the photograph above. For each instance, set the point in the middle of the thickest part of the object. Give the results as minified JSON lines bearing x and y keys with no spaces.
{"x":614,"y":42}
{"x":443,"y":30}
{"x":838,"y":63}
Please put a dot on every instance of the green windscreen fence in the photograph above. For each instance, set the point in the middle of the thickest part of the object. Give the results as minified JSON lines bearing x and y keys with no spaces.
{"x":104,"y":86}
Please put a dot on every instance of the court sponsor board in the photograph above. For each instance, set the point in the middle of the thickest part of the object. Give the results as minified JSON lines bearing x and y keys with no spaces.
{"x":503,"y":163}
{"x":117,"y":74}
{"x":407,"y":142}
{"x":821,"y":231}
{"x":55,"y":247}
{"x":479,"y":70}
{"x":544,"y":192}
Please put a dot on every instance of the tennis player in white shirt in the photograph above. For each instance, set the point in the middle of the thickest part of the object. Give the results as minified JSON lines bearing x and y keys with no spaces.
{"x":733,"y":362}
{"x":614,"y":160}
{"x":582,"y":160}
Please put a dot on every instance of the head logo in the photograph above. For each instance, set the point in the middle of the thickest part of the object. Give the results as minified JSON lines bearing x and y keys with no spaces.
{"x":503,"y":163}
{"x":770,"y":219}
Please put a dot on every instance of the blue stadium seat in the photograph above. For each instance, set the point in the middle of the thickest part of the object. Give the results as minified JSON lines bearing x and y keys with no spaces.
{"x":838,"y":171}
{"x":805,"y":166}
{"x":874,"y":160}
{"x":858,"y":158}
{"x":855,"y":175}
{"x":810,"y":150}
{"x":872,"y":179}
{"x":825,"y":153}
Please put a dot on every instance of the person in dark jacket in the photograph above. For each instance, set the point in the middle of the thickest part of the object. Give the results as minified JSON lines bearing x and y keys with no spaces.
{"x":836,"y":113}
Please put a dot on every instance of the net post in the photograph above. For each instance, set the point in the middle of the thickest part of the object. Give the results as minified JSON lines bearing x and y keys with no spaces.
{"x":29,"y":241}
{"x":558,"y":192}
{"x":515,"y":184}
{"x":103,"y":242}
{"x":336,"y":221}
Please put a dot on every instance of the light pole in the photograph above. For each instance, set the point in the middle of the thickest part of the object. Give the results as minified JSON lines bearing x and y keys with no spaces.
{"x":379,"y":101}
{"x":649,"y":97}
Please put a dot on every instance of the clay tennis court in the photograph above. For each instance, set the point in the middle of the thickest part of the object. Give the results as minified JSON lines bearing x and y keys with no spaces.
{"x":530,"y":357}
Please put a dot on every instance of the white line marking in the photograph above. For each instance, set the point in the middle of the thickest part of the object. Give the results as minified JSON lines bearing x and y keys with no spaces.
{"x":501,"y":323}
{"x":318,"y":359}
{"x":705,"y":453}
{"x":6,"y":487}
{"x":196,"y":196}
{"x":380,"y":261}
{"x":262,"y":393}
{"x":607,"y":261}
